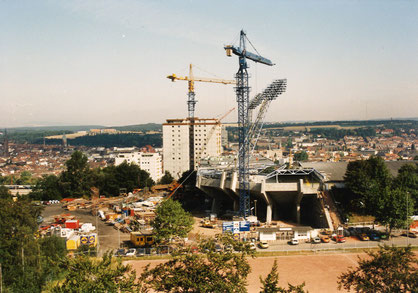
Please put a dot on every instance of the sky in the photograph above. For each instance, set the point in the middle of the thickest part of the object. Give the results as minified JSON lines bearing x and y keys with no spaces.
{"x":105,"y":62}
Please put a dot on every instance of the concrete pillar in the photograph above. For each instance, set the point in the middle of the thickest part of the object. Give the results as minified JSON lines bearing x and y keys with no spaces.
{"x":222,"y":182}
{"x":269,"y":214}
{"x":298,"y":213}
{"x":298,"y":200}
{"x":236,"y":205}
{"x":215,"y":205}
{"x":198,"y":180}
{"x":234,"y":181}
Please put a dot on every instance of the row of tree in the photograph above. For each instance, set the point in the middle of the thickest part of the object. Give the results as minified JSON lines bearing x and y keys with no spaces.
{"x":112,"y":140}
{"x":78,"y":179}
{"x":391,"y":200}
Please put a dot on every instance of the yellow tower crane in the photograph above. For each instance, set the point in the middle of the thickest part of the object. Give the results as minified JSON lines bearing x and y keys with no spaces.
{"x":191,"y":102}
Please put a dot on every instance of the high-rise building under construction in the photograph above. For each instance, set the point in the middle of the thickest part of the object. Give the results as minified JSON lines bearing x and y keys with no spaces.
{"x":186,"y":141}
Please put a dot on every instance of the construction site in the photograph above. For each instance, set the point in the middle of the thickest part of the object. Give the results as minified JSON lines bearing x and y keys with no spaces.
{"x":239,"y":186}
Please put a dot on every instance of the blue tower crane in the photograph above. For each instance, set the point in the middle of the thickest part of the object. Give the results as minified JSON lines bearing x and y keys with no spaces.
{"x":243,"y":92}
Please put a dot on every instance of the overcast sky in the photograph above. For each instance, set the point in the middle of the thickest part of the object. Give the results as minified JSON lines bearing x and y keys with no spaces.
{"x":106,"y":62}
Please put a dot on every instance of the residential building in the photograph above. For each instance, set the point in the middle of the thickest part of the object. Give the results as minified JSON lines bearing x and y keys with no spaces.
{"x":150,"y":162}
{"x":186,"y":141}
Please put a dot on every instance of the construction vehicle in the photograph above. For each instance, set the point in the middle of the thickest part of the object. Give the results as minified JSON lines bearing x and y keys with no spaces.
{"x":191,"y":102}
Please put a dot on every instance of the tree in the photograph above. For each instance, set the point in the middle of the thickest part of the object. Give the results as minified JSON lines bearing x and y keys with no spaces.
{"x":368,"y":180}
{"x":47,"y":188}
{"x":76,"y":180}
{"x":390,"y":269}
{"x":301,"y":156}
{"x":208,"y":271}
{"x":395,"y":207}
{"x":166,"y":179}
{"x":407,"y":180}
{"x":20,"y":255}
{"x":25,"y":178}
{"x":85,"y":274}
{"x":110,"y":179}
{"x":271,"y":283}
{"x":171,"y":220}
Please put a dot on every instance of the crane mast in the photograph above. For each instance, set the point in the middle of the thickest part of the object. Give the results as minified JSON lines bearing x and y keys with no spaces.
{"x":243,"y":91}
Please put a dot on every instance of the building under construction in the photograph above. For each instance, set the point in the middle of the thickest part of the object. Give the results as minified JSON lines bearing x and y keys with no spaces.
{"x":186,"y":141}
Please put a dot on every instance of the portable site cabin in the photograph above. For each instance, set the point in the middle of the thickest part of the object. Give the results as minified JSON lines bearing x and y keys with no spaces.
{"x":90,"y":240}
{"x":73,"y":242}
{"x":141,"y":239}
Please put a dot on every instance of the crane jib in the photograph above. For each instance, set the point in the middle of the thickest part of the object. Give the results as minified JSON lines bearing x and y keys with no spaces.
{"x":254,"y":57}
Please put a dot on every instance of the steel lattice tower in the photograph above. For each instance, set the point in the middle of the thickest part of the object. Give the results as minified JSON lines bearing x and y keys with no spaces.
{"x":243,"y":93}
{"x":243,"y":97}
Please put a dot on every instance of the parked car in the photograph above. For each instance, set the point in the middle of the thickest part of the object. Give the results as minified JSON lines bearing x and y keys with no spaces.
{"x":140,"y":252}
{"x":340,"y":239}
{"x":325,"y":239}
{"x":316,"y":240}
{"x":294,"y":241}
{"x":410,"y":235}
{"x":120,"y":252}
{"x":252,"y":246}
{"x":383,"y":236}
{"x":374,"y":236}
{"x":131,"y":252}
{"x":263,"y":245}
{"x":364,"y":237}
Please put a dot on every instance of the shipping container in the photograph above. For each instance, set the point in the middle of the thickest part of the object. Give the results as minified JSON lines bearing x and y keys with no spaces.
{"x":72,"y":224}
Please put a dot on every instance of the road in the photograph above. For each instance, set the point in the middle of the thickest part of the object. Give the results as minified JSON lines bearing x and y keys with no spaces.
{"x":351,"y":243}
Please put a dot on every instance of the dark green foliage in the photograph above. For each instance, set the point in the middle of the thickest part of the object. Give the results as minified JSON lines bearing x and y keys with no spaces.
{"x":391,"y":269}
{"x":407,"y":180}
{"x":166,"y":179}
{"x":85,"y":274}
{"x":47,"y":188}
{"x":300,"y":156}
{"x":377,"y":194}
{"x":139,"y":127}
{"x":27,"y":263}
{"x":34,"y":136}
{"x":53,"y":250}
{"x":395,"y":207}
{"x":208,"y":271}
{"x":114,"y":140}
{"x":188,"y":178}
{"x":171,"y":221}
{"x":368,"y":180}
{"x":4,"y":192}
{"x":289,"y":143}
{"x":271,"y":283}
{"x":76,"y":180}
{"x":109,"y":180}
{"x":335,"y":133}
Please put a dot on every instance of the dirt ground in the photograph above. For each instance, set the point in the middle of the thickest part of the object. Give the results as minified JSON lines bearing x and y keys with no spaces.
{"x":319,"y":272}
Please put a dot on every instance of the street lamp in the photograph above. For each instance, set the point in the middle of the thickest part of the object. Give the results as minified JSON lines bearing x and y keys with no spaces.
{"x":407,"y":218}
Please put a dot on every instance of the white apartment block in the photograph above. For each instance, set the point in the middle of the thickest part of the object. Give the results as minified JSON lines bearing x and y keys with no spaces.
{"x":185,"y":142}
{"x":150,"y":162}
